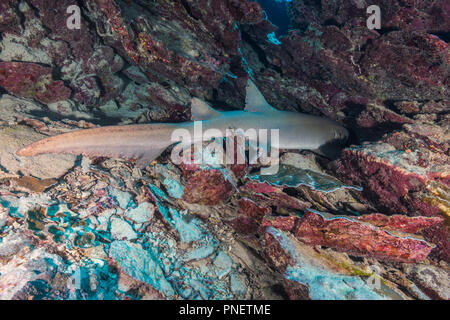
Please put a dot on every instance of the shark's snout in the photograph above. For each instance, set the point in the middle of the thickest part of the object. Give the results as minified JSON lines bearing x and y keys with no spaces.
{"x":341,"y":134}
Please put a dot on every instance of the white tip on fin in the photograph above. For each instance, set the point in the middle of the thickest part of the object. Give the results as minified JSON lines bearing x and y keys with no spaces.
{"x":200,"y":110}
{"x":255,"y":101}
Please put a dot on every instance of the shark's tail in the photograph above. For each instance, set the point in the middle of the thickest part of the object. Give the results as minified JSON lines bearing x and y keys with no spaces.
{"x":141,"y":142}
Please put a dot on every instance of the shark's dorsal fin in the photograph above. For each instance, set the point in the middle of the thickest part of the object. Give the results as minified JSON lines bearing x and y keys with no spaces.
{"x":200,"y":110}
{"x":255,"y":101}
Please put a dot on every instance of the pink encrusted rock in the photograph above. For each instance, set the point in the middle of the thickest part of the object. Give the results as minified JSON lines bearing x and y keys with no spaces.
{"x":9,"y":19}
{"x":174,"y":103}
{"x":374,"y":115}
{"x":353,"y":237}
{"x":53,"y":15}
{"x":273,"y":196}
{"x":243,"y":225}
{"x":432,"y":16}
{"x":274,"y":253}
{"x":29,"y":80}
{"x":245,"y":11}
{"x":251,"y":209}
{"x":409,"y":181}
{"x":111,"y":13}
{"x":167,"y":54}
{"x":86,"y":91}
{"x":207,"y":187}
{"x":249,"y":216}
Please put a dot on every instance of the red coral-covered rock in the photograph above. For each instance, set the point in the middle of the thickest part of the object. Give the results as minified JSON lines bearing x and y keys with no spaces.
{"x":249,"y":216}
{"x":29,"y":80}
{"x":400,"y":222}
{"x":351,"y":236}
{"x":8,"y":16}
{"x":207,"y":187}
{"x":426,"y":15}
{"x":397,"y":181}
{"x":273,"y":196}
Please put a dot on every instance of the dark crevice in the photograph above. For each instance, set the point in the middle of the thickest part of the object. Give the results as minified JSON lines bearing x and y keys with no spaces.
{"x":444,"y":36}
{"x":332,"y":22}
{"x":260,"y":52}
{"x":188,"y":9}
{"x":384,"y":31}
{"x":359,"y":134}
{"x":356,"y":259}
{"x":277,"y":13}
{"x":390,"y":104}
{"x":293,"y":192}
{"x":279,"y":290}
{"x":215,"y":94}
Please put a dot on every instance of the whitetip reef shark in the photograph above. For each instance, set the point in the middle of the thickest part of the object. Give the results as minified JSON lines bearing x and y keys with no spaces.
{"x":145,"y":142}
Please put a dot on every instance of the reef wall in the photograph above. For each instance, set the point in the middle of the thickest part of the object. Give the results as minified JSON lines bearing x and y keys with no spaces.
{"x":103,"y":229}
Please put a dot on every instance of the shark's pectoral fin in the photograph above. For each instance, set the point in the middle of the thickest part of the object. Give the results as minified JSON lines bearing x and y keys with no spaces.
{"x":200,"y":110}
{"x":255,"y":101}
{"x":148,"y":156}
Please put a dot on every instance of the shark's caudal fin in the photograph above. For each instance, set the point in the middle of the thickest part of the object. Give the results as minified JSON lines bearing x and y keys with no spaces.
{"x":200,"y":110}
{"x":255,"y":101}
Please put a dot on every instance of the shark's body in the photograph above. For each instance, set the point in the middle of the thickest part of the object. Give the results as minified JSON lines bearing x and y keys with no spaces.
{"x":145,"y":142}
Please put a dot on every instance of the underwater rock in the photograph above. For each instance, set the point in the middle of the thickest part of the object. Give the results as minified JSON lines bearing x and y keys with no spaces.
{"x":28,"y":80}
{"x":43,"y":166}
{"x":122,"y":230}
{"x":148,"y":46}
{"x":272,"y":196}
{"x":31,"y":184}
{"x":80,"y":41}
{"x":309,"y":275}
{"x":290,"y":176}
{"x":432,"y":280}
{"x":12,"y":244}
{"x":34,"y":265}
{"x":8,"y":15}
{"x":135,"y":74}
{"x":356,"y":238}
{"x":140,"y":264}
{"x":142,"y":213}
{"x":207,"y":187}
{"x":396,"y":181}
{"x":423,"y":15}
{"x":400,"y":223}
